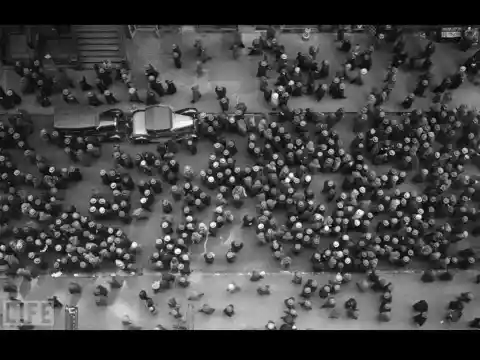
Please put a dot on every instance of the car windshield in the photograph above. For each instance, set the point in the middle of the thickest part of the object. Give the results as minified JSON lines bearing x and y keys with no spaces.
{"x":181,"y":121}
{"x":138,"y":124}
{"x":107,"y":123}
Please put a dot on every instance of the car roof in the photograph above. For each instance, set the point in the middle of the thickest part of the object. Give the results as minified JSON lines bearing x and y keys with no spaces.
{"x":158,"y":117}
{"x":78,"y":117}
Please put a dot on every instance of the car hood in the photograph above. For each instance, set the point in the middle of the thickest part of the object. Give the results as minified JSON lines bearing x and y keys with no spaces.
{"x":77,"y":120}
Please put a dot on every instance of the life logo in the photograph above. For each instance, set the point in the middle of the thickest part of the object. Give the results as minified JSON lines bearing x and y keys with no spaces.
{"x":36,"y":313}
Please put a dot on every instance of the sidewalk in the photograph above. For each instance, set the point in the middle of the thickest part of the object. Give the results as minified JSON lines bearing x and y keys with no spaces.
{"x":239,"y":75}
{"x":254,"y":311}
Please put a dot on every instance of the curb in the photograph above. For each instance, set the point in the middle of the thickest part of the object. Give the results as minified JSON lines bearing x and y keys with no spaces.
{"x":278,"y":273}
{"x":301,"y":31}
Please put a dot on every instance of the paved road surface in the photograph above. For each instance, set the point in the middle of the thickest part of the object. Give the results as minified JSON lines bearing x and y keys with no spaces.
{"x":254,"y":311}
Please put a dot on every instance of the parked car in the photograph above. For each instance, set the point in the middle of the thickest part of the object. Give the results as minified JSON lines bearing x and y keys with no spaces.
{"x":158,"y":122}
{"x":109,"y":125}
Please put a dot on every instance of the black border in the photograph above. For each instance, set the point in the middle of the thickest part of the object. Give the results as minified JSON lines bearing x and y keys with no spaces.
{"x":244,"y":12}
{"x":234,"y":345}
{"x":351,"y":344}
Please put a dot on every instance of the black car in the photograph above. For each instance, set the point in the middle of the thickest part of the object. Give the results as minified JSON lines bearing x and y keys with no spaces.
{"x":109,"y":125}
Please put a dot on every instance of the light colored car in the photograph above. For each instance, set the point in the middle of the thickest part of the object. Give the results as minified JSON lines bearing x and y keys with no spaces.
{"x":160,"y":122}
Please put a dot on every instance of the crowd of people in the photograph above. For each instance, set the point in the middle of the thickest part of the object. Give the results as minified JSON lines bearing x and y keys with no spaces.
{"x":286,"y":152}
{"x":35,"y":80}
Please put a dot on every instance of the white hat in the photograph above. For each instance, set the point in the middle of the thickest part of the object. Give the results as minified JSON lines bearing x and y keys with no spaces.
{"x":65,"y":91}
{"x":107,"y":92}
{"x":283,"y":57}
{"x":275,"y":96}
{"x":297,"y":69}
{"x":291,"y":83}
{"x":363,"y":71}
{"x":132,"y":91}
{"x":463,"y":68}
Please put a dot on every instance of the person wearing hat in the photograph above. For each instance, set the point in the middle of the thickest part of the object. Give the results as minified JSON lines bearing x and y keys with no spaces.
{"x":19,"y":68}
{"x":444,"y":85}
{"x":151,"y":98}
{"x":157,"y":87}
{"x":93,"y":99}
{"x":296,"y":75}
{"x":289,"y":88}
{"x":42,"y":99}
{"x":84,"y":85}
{"x":324,"y":71}
{"x":133,"y":96}
{"x":420,"y":89}
{"x":229,"y":310}
{"x":283,"y":78}
{"x":224,"y":104}
{"x":202,"y":54}
{"x":176,"y":49}
{"x":334,"y":87}
{"x":65,"y":93}
{"x":71,"y":99}
{"x":345,"y":73}
{"x":459,"y":78}
{"x":340,"y":93}
{"x":408,"y":101}
{"x":358,"y":80}
{"x":209,"y":257}
{"x":221,"y":92}
{"x":262,"y":70}
{"x":206,"y":309}
{"x":110,"y":98}
{"x":263,"y":84}
{"x":297,"y":90}
{"x":10,"y":100}
{"x":177,"y":61}
{"x":101,"y":87}
{"x":271,"y":325}
{"x":196,"y":95}
{"x":151,"y":71}
{"x":321,"y":92}
{"x":282,"y":62}
{"x":274,"y":100}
